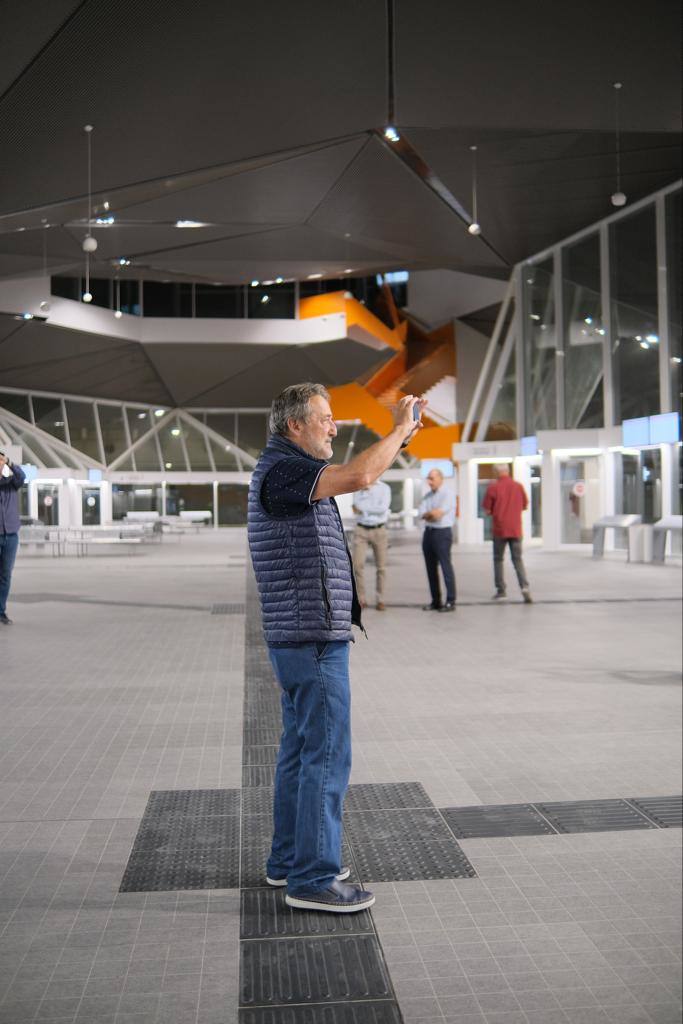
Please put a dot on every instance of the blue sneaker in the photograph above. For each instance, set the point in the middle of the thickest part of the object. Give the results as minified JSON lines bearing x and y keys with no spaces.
{"x":338,"y":898}
{"x":278,"y":883}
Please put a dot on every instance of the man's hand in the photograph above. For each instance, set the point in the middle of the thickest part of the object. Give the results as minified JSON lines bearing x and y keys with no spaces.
{"x":404,"y":419}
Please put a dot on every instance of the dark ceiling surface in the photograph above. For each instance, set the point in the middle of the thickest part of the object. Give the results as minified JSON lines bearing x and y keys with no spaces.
{"x":263,"y":121}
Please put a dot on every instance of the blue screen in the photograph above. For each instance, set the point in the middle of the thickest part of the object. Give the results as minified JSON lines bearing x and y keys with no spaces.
{"x":635,"y":432}
{"x":665,"y":428}
{"x":529,"y":446}
{"x":445,"y":465}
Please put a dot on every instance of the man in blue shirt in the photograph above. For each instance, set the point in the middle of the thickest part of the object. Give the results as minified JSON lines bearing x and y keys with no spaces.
{"x":371,"y":505}
{"x":438,"y":513}
{"x":308,"y":603}
{"x":11,"y":479}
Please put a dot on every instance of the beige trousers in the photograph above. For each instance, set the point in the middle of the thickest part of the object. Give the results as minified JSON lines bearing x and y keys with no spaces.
{"x":377,"y":540}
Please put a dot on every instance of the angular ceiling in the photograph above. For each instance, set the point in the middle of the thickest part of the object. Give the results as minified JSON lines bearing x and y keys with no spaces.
{"x":260,"y":121}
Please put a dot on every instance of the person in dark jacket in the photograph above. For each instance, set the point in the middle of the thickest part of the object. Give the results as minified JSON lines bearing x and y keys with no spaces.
{"x":11,"y":479}
{"x":308,"y":601}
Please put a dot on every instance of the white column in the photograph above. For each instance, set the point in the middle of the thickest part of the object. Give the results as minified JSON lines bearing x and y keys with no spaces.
{"x":408,"y":505}
{"x":215,"y":504}
{"x":106,"y":503}
{"x":550,"y":501}
{"x":470,"y":531}
{"x":609,"y":465}
{"x":522,"y":474}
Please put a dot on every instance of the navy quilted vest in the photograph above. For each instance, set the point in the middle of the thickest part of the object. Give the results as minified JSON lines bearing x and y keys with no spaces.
{"x":302,"y":563}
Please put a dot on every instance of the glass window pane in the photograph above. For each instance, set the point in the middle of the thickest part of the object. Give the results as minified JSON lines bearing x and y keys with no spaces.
{"x":101,"y":291}
{"x":49,"y":417}
{"x":196,"y":447}
{"x":583,"y":334}
{"x":218,"y":300}
{"x":133,"y":498}
{"x":271,"y":302}
{"x":252,"y":432}
{"x":539,"y":341}
{"x":167,"y":298}
{"x":139,"y":422}
{"x":129,"y":294}
{"x":633,"y":256}
{"x":675,"y":285}
{"x":224,"y":456}
{"x":81,"y":419}
{"x":189,"y":498}
{"x":18,"y":404}
{"x":503,"y":423}
{"x":113,"y":434}
{"x":232,"y":504}
{"x":27,"y":440}
{"x":66,"y":287}
{"x":147,"y":457}
{"x":171,"y":441}
{"x":224,"y":423}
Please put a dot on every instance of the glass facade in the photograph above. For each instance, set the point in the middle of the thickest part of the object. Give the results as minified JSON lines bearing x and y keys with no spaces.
{"x":635,"y":328}
{"x":583,"y":334}
{"x":540,"y":345}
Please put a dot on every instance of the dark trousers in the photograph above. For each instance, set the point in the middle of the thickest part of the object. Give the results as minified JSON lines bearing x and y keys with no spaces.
{"x":436,"y":548}
{"x":9,"y":542}
{"x":499,"y":545}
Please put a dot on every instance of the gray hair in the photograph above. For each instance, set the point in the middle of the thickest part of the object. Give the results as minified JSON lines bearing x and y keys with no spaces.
{"x":292,"y":404}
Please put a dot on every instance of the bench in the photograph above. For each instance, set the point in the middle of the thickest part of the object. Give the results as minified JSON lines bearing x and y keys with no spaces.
{"x":660,"y":529}
{"x":621,"y":522}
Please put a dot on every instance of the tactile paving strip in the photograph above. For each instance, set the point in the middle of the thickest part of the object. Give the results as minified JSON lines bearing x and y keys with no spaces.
{"x":261,"y":775}
{"x":665,"y":811}
{"x":404,"y":844}
{"x":377,"y":1012}
{"x":389,"y":796}
{"x":496,"y":820}
{"x":265,"y":915}
{"x":593,"y":816}
{"x":261,"y":754}
{"x":312,"y":970}
{"x":188,"y":839}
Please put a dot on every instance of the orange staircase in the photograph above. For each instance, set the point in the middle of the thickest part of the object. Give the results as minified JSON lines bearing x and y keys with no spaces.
{"x":422,"y":358}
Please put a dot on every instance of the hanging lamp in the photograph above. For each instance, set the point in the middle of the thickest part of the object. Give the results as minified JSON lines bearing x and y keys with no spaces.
{"x":618,"y":198}
{"x":475,"y":227}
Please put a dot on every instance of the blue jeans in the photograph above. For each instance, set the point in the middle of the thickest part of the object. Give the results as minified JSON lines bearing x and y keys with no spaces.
{"x":9,"y":542}
{"x":313,"y":765}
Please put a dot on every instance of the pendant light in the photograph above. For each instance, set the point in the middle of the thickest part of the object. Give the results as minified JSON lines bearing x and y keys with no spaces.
{"x":618,"y":198}
{"x":474,"y":228}
{"x":117,"y":312}
{"x":89,"y":243}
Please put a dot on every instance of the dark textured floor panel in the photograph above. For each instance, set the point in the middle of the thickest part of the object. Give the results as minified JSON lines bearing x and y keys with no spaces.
{"x":190,"y":868}
{"x":387,"y":796}
{"x":382,"y":1011}
{"x":170,"y":832}
{"x":312,"y":970}
{"x":257,"y":801}
{"x":406,"y":844}
{"x":258,"y":775}
{"x":261,"y":754}
{"x":258,"y":734}
{"x":265,"y":915}
{"x":593,"y":816}
{"x":665,"y":811}
{"x":496,"y":820}
{"x":193,"y":802}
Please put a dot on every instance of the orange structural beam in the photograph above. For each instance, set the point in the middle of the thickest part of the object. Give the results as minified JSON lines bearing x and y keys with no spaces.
{"x":361,"y":325}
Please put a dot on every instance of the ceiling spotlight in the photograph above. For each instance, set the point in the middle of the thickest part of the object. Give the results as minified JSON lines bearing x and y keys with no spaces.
{"x":106,"y":204}
{"x":159,"y":412}
{"x":142,"y":415}
{"x":227,"y":447}
{"x":123,"y":262}
{"x":675,"y":359}
{"x":118,"y":314}
{"x":588,"y":319}
{"x":190,"y":224}
{"x":349,"y":270}
{"x":27,"y":316}
{"x":265,"y":299}
{"x":652,"y":338}
{"x":618,"y":198}
{"x":169,"y":465}
{"x":279,"y":280}
{"x":314,"y":277}
{"x":87,"y":296}
{"x":175,"y":432}
{"x":474,"y":228}
{"x":254,"y":284}
{"x":390,"y":134}
{"x":644,"y":344}
{"x":89,"y":244}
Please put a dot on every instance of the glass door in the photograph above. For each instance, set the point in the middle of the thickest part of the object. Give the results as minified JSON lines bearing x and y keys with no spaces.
{"x":48,"y":504}
{"x":579,"y":499}
{"x":90,"y":504}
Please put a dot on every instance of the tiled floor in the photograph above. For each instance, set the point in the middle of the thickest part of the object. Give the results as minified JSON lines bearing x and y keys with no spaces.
{"x":117,"y":680}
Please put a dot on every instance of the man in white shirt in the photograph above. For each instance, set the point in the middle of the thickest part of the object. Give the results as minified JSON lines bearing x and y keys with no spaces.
{"x":371,"y":506}
{"x":437,"y":511}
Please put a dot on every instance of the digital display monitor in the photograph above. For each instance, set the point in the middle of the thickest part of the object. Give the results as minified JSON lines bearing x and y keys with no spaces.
{"x":529,"y":445}
{"x":95,"y":476}
{"x":635,"y":433}
{"x":665,"y":428}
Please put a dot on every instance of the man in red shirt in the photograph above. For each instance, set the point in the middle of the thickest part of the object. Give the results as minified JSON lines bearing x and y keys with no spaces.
{"x":505,"y":500}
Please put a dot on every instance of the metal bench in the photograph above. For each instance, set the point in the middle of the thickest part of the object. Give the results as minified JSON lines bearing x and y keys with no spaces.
{"x":660,"y":529}
{"x":622,"y":522}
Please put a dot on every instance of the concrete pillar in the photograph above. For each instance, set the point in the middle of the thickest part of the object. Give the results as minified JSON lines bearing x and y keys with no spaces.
{"x":550,"y":501}
{"x":522,"y":474}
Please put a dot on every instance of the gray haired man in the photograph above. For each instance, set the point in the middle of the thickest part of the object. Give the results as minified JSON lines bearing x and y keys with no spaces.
{"x":309,"y":603}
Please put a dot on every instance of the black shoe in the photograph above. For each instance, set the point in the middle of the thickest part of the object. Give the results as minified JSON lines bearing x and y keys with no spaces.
{"x":338,"y":898}
{"x":5,"y":620}
{"x":431,"y":607}
{"x":499,"y":595}
{"x":448,"y":607}
{"x":278,"y":883}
